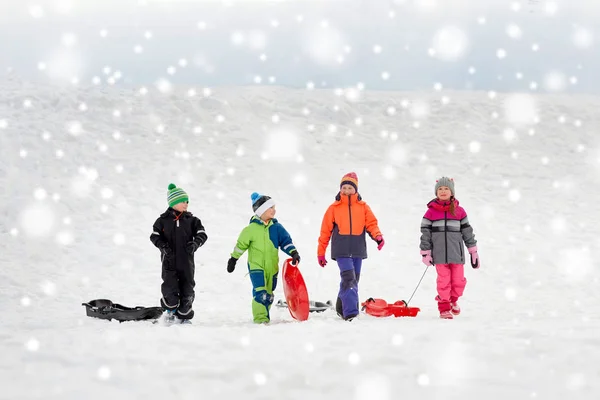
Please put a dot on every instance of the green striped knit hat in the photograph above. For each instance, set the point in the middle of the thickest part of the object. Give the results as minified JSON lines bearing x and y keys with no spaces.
{"x":176,"y":195}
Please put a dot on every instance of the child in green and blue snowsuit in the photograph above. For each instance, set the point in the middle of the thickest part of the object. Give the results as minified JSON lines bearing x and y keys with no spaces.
{"x":263,"y":238}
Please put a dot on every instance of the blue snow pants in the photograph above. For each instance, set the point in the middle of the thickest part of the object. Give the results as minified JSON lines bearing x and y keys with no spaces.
{"x":349,"y":277}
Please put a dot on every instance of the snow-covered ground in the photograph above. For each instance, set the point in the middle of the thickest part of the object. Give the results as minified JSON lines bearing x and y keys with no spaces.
{"x":103,"y":104}
{"x":84,"y":173}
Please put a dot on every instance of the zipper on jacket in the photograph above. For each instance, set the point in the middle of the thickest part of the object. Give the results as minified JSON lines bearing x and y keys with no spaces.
{"x":446,"y":233}
{"x":350,"y":215}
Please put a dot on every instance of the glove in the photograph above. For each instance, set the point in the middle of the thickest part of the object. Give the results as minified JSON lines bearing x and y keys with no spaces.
{"x":295,"y":258}
{"x":380,"y":242}
{"x":231,"y":264}
{"x":322,"y":261}
{"x":191,"y":247}
{"x":426,"y":257}
{"x":166,"y":251}
{"x":474,"y":257}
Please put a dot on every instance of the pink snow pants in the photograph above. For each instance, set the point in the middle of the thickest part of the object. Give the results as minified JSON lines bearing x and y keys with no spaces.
{"x":451,"y":284}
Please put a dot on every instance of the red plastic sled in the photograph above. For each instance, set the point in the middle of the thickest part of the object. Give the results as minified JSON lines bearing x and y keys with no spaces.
{"x":381,"y":308}
{"x":295,"y":291}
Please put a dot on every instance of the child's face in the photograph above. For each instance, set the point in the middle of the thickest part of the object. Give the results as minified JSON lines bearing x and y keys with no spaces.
{"x":269,"y":214}
{"x":347,"y":190}
{"x":181,"y":207}
{"x":444,"y":193}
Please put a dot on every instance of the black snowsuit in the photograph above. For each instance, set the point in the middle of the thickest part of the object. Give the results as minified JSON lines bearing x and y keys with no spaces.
{"x":178,"y":236}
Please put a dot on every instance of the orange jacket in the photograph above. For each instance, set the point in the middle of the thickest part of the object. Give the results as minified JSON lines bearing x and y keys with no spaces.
{"x":345,"y":223}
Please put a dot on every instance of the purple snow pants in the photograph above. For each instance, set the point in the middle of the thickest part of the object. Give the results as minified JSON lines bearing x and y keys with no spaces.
{"x":348,"y":294}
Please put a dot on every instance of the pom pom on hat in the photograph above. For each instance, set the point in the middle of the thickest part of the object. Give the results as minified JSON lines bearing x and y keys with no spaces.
{"x":254,"y":196}
{"x":176,"y":195}
{"x":444,"y":181}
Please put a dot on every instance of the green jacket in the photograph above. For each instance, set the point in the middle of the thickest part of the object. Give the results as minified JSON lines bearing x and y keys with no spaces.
{"x":263,"y":242}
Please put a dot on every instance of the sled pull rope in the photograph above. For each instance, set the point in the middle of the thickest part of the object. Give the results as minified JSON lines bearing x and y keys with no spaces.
{"x":411,"y":296}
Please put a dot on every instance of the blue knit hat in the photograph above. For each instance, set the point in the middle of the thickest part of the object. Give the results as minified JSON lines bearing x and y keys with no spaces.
{"x":176,"y":195}
{"x":261,"y":203}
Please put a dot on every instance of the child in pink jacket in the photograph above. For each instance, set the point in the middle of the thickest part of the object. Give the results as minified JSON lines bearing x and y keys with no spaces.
{"x":444,"y":228}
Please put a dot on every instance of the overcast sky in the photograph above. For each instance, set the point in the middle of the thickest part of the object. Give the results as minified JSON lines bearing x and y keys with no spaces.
{"x":382,"y":44}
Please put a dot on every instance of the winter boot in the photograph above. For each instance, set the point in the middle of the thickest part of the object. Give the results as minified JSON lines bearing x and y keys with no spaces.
{"x":338,"y":308}
{"x":169,"y":316}
{"x":446,"y":315}
{"x":455,"y":308}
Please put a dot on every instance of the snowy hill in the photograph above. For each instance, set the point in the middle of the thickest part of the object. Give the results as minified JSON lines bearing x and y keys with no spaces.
{"x":84,"y":173}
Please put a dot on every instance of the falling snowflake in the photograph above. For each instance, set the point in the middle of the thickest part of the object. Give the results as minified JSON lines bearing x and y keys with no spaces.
{"x":514,"y":195}
{"x":323,"y":45}
{"x":260,"y":379}
{"x":64,"y":65}
{"x":282,"y":145}
{"x":257,"y":40}
{"x":514,"y":31}
{"x":558,"y":225}
{"x":551,"y":8}
{"x":509,"y":135}
{"x":32,"y":345}
{"x":450,"y":43}
{"x":423,"y":380}
{"x":575,"y":264}
{"x":48,"y":288}
{"x":37,"y":220}
{"x":40,"y":194}
{"x":36,"y":11}
{"x":474,"y":147}
{"x":104,"y":373}
{"x":69,"y":39}
{"x":419,"y":109}
{"x":555,"y":81}
{"x":583,"y":38}
{"x":119,"y":239}
{"x":510,"y":294}
{"x":353,"y":358}
{"x":106,"y":193}
{"x":299,"y":180}
{"x":397,"y":339}
{"x":373,"y":387}
{"x":65,"y":238}
{"x":520,"y":109}
{"x":164,"y":86}
{"x":576,"y":382}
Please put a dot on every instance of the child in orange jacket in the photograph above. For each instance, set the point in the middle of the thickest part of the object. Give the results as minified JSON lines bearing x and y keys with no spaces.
{"x":345,"y":222}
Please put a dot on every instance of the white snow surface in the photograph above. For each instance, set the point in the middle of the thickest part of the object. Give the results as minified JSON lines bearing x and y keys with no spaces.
{"x":82,"y":186}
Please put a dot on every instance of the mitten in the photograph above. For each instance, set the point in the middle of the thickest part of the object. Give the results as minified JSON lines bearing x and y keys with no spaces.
{"x":231,"y":264}
{"x":426,"y":257}
{"x":474,"y":257}
{"x":295,"y":258}
{"x":380,"y":242}
{"x":322,"y":261}
{"x":191,"y":247}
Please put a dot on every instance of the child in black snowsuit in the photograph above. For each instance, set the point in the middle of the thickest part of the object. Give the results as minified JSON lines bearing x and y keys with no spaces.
{"x":178,"y":234}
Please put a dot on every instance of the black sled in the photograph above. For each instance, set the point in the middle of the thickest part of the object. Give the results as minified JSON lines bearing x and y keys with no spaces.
{"x":106,"y":309}
{"x":314,"y":306}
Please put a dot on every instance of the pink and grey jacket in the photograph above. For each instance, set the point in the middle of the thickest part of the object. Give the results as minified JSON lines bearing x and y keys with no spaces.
{"x":443,"y":233}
